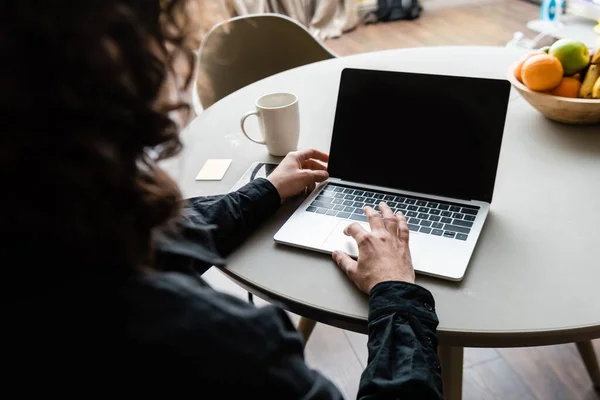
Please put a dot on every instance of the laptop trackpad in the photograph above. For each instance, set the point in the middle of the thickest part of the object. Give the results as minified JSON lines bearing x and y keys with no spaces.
{"x":337,"y":240}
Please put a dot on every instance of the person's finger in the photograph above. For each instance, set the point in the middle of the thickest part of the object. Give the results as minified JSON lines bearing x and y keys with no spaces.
{"x":309,"y":176}
{"x":403,"y":231}
{"x":355,"y":230}
{"x":314,"y":165}
{"x":389,"y":219}
{"x":345,"y":262}
{"x":375,"y":220}
{"x":312,"y":153}
{"x":310,"y":188}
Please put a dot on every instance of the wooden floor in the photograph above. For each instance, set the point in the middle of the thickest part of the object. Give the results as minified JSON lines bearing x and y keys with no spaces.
{"x":476,"y":22}
{"x":537,"y":373}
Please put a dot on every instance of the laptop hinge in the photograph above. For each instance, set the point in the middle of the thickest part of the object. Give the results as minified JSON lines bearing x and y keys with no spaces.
{"x":383,"y":189}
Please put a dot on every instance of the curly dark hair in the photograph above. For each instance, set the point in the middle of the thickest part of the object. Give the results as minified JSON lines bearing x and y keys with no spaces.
{"x":82,"y":129}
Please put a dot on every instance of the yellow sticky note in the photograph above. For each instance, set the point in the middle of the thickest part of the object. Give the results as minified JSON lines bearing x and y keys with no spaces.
{"x":213,"y":170}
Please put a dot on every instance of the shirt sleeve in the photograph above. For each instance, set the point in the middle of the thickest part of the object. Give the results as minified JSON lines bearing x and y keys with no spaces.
{"x":403,"y":361}
{"x":235,"y":215}
{"x":211,"y":227}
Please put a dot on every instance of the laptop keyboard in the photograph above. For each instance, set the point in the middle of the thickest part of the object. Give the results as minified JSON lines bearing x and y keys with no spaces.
{"x":437,"y":218}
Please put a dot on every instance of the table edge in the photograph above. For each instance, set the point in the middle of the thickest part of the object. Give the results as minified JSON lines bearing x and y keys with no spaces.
{"x":454,"y":338}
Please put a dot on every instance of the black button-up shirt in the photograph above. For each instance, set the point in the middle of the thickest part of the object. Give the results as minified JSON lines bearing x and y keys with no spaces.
{"x":75,"y":325}
{"x":228,"y":346}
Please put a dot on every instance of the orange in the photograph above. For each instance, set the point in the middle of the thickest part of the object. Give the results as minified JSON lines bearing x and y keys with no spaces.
{"x":519,"y":64}
{"x":568,"y":87}
{"x":542,"y":72}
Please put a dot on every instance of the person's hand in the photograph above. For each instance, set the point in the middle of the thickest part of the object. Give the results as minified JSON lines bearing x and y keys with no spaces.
{"x":383,"y":253}
{"x":298,"y":171}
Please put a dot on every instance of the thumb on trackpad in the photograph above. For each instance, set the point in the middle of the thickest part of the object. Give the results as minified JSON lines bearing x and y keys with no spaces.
{"x":337,"y":240}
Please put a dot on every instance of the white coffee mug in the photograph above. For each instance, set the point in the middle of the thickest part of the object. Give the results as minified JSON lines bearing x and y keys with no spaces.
{"x":279,"y":121}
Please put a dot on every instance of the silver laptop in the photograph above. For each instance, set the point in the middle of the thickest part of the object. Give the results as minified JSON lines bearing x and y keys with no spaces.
{"x":428,"y":145}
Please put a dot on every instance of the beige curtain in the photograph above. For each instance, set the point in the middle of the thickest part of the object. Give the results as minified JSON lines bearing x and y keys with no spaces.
{"x":323,"y":18}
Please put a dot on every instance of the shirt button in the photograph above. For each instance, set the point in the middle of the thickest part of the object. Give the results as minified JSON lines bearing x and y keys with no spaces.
{"x":436,"y":365}
{"x":428,"y":306}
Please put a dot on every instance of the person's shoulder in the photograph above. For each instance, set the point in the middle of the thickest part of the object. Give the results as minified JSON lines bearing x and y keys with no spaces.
{"x":161,"y":297}
{"x":176,"y":286}
{"x":180,"y":311}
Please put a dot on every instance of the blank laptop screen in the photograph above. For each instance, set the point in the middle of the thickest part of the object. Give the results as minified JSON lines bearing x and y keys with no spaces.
{"x":418,"y":132}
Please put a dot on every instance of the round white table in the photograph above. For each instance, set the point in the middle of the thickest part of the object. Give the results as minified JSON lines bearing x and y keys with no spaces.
{"x":534,"y":278}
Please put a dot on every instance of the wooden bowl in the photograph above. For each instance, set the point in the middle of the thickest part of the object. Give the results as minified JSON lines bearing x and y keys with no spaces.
{"x":561,"y":109}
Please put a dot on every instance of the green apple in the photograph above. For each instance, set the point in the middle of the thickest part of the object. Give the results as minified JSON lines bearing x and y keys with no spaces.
{"x":572,"y":54}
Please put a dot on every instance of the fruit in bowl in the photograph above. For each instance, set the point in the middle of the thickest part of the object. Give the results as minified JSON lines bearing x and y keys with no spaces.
{"x":562,"y":81}
{"x":553,"y":70}
{"x":572,"y":54}
{"x":589,"y":87}
{"x":542,"y":72}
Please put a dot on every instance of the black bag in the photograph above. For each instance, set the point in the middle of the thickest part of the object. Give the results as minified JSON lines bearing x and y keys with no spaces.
{"x":392,"y":10}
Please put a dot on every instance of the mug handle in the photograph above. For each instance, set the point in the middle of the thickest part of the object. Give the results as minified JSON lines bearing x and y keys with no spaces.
{"x":244,"y":130}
